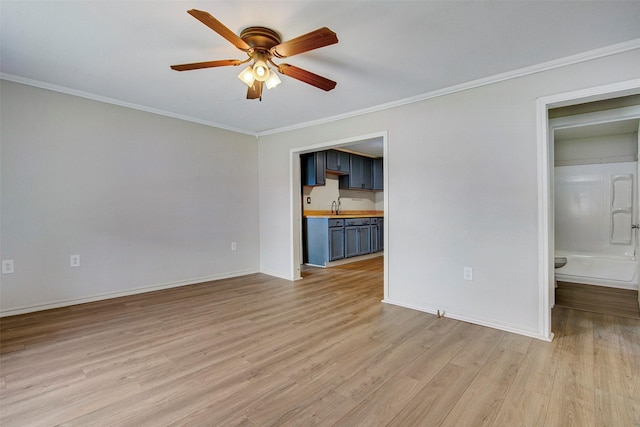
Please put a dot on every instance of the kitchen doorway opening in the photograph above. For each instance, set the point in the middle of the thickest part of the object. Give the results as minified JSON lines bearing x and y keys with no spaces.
{"x":373,"y":144}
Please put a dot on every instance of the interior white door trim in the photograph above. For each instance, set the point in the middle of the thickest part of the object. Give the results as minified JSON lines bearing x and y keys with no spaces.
{"x":545,"y":185}
{"x":296,"y":198}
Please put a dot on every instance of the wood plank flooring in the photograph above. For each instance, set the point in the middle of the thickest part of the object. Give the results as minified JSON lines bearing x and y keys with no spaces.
{"x":260,"y":351}
{"x":598,"y":299}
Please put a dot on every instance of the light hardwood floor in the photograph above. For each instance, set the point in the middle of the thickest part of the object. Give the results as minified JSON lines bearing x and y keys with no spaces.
{"x":598,"y":299}
{"x":260,"y":351}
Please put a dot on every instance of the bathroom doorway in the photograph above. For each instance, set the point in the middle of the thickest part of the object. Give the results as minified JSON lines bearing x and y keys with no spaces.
{"x":595,"y":177}
{"x":546,"y":212}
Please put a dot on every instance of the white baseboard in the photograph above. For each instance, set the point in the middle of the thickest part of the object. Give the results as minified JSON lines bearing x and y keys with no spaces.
{"x":482,"y":322}
{"x":109,"y":295}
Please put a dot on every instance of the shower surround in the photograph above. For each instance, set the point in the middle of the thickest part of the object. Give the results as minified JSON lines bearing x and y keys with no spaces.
{"x":595,"y":217}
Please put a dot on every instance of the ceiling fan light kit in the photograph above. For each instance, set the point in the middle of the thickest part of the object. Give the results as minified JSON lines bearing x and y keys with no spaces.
{"x":260,"y":72}
{"x":261,"y":45}
{"x":260,"y":69}
{"x":247,"y":76}
{"x":272,"y":81}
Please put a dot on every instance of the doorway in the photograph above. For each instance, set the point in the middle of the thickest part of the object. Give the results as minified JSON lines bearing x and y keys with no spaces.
{"x":595,"y":206}
{"x":546,"y":163}
{"x":363,"y":143}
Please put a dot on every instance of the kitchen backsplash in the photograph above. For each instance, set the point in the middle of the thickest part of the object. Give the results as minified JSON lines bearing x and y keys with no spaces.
{"x":322,"y":197}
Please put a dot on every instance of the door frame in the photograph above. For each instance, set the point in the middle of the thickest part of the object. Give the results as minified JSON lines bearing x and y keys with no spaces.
{"x":545,"y":162}
{"x":296,"y":197}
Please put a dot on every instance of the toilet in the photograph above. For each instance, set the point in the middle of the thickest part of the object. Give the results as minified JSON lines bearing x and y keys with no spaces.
{"x":560,"y":261}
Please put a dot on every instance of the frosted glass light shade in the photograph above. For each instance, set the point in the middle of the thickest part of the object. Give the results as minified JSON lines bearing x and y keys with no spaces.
{"x":247,"y":76}
{"x":272,"y":81}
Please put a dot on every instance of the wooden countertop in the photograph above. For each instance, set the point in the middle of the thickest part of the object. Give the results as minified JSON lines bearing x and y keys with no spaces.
{"x":343,"y":214}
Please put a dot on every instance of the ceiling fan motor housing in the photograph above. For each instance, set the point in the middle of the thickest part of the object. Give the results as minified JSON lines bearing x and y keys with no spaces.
{"x":260,"y":38}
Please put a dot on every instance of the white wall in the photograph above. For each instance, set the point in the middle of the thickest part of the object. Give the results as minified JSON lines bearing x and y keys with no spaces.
{"x":462,"y":190}
{"x":151,"y":201}
{"x":146,"y":201}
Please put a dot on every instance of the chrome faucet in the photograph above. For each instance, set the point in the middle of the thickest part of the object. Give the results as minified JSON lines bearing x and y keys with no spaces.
{"x":334,"y":207}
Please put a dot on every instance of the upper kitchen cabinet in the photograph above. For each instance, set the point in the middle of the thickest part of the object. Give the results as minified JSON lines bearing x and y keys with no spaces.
{"x":355,"y":172}
{"x":337,"y":161}
{"x":378,"y":175}
{"x":360,"y":175}
{"x":312,"y":167}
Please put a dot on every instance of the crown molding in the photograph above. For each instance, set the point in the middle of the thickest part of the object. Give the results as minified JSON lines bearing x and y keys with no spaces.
{"x":100,"y":98}
{"x":538,"y":68}
{"x":521,"y":72}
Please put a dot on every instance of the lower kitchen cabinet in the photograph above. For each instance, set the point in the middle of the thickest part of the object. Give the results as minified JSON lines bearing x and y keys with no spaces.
{"x":350,"y":242}
{"x":375,"y":235}
{"x":364,"y":240}
{"x":326,"y":240}
{"x":336,"y":242}
{"x":357,"y":237}
{"x":323,"y":240}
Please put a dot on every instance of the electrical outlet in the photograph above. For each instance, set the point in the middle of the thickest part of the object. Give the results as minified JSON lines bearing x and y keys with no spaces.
{"x":7,"y":266}
{"x":233,"y":246}
{"x":308,"y":200}
{"x":468,"y":273}
{"x":74,"y":261}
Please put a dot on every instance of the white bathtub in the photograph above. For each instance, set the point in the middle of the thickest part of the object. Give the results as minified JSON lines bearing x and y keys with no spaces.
{"x":614,"y":272}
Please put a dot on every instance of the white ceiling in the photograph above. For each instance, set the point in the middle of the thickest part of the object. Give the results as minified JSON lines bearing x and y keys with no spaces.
{"x":388,"y":51}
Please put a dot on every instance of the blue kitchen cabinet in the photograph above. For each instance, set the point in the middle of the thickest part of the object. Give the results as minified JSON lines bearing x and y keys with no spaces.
{"x":357,"y":237}
{"x":337,"y":161}
{"x":360,"y":174}
{"x":323,"y":240}
{"x":312,"y":169}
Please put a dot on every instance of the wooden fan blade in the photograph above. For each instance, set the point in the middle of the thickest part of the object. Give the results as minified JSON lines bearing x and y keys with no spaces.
{"x":307,"y":77}
{"x":316,"y":39}
{"x":219,"y":28}
{"x":207,"y":64}
{"x":255,"y":91}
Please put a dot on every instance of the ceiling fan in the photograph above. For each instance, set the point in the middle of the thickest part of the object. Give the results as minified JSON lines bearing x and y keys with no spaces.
{"x":262,"y":45}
